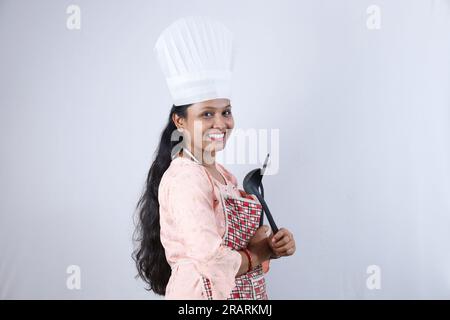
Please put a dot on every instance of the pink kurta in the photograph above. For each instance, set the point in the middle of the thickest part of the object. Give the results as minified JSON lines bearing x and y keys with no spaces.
{"x":192,"y":227}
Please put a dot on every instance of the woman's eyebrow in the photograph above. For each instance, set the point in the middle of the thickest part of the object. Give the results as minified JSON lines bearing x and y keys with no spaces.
{"x":213,"y":108}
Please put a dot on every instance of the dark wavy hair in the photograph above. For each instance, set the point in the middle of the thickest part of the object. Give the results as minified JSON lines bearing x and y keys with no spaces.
{"x":149,"y":255}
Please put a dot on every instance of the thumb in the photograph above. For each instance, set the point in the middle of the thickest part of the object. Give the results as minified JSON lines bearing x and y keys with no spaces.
{"x":267,"y":230}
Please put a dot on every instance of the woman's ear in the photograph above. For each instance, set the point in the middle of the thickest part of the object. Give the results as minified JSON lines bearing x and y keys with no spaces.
{"x":178,"y":121}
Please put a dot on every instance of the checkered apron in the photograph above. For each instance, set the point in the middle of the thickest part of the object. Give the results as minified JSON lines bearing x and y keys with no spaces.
{"x":242,"y":220}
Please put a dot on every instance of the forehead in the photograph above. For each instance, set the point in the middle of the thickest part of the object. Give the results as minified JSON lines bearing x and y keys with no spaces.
{"x":211,"y":104}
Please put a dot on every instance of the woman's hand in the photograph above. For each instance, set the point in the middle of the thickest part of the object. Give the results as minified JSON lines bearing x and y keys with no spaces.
{"x":259,"y":245}
{"x":282,"y":243}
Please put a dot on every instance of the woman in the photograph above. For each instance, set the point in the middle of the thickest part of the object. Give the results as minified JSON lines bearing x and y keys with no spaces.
{"x":199,"y":234}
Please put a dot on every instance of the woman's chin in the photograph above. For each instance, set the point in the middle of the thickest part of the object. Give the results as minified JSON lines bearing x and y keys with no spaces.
{"x":216,"y":146}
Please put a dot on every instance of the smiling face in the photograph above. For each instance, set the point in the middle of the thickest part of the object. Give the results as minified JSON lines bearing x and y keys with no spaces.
{"x":207,"y":126}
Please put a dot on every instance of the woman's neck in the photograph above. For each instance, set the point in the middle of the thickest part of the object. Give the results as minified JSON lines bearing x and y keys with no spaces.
{"x":208,"y":160}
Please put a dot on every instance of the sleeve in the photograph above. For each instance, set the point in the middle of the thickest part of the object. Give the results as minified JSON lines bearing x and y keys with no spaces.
{"x":190,"y":203}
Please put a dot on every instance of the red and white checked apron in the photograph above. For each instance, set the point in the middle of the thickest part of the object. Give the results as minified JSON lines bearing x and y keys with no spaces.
{"x":242,"y":217}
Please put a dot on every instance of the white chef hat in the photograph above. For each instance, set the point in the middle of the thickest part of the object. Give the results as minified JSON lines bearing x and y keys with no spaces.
{"x":196,"y":57}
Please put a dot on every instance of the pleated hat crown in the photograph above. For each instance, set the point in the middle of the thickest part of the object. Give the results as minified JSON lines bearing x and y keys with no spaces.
{"x":196,"y":57}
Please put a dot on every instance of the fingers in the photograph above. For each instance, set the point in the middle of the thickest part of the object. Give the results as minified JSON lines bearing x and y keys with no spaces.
{"x":288,"y":249}
{"x":283,"y":243}
{"x":281,"y":238}
{"x":281,"y":232}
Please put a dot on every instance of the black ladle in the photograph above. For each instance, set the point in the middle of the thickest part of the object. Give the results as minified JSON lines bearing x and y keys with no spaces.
{"x":252,"y":184}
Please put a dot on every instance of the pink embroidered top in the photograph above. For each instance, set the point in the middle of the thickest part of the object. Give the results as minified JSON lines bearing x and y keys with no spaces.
{"x":192,"y":224}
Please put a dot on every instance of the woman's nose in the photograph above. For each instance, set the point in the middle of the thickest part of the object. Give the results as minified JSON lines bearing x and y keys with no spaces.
{"x":219,"y":123}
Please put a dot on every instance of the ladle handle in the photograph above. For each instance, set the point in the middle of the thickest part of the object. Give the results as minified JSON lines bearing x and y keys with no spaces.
{"x":261,"y":220}
{"x":267,"y":211}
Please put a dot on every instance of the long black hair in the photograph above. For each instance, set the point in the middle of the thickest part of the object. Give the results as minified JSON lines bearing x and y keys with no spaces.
{"x":149,"y":255}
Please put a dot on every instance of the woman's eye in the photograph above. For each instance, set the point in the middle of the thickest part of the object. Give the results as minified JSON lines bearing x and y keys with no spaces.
{"x":207,"y":114}
{"x":227,"y":113}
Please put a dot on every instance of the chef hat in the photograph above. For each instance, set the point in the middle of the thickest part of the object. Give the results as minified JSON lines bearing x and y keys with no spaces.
{"x":196,"y":57}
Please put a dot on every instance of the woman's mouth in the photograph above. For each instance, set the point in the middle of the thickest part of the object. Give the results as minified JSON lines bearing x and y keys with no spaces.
{"x":216,"y":136}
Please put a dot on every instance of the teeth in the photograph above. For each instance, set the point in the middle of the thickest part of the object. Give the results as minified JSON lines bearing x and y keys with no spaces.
{"x":216,"y":136}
